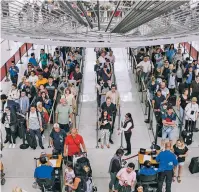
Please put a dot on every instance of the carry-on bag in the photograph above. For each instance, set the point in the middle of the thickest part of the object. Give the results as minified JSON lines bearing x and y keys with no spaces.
{"x":31,"y":140}
{"x":194,"y":165}
{"x":172,"y":100}
{"x":187,"y":134}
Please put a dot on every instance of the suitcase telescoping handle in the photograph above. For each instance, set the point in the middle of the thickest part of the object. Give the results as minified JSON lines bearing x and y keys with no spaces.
{"x":190,"y":122}
{"x":36,"y":161}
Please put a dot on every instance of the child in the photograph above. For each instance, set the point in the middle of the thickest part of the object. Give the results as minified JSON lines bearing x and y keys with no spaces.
{"x":69,"y":176}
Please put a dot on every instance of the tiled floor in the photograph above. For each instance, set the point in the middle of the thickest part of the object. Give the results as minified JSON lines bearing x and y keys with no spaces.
{"x":19,"y":165}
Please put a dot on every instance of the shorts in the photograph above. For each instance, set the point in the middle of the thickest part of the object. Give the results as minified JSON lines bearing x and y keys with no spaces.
{"x":167,"y":132}
{"x":181,"y":163}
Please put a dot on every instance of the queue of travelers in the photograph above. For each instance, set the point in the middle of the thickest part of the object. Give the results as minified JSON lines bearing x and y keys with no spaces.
{"x":48,"y":82}
{"x":36,"y":94}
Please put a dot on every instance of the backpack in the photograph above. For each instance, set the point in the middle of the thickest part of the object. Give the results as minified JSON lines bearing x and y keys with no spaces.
{"x":31,"y":140}
{"x":56,"y":60}
{"x":36,"y":113}
{"x":85,"y":184}
{"x":79,"y":166}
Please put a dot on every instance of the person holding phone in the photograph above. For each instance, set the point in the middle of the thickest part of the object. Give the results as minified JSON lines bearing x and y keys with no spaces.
{"x":105,"y":127}
{"x":191,"y":115}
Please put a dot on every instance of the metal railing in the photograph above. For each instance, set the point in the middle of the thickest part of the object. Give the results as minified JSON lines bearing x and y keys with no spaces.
{"x":146,"y":100}
{"x":80,"y":89}
{"x":113,"y":79}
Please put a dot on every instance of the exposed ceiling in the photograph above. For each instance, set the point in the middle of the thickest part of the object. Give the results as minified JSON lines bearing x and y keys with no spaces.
{"x":100,"y":23}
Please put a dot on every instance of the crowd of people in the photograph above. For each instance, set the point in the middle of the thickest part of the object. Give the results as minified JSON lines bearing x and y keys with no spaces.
{"x":51,"y":84}
{"x":171,"y":80}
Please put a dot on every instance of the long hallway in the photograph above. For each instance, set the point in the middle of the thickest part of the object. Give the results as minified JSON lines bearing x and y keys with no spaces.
{"x":130,"y":102}
{"x":19,"y":171}
{"x":100,"y":158}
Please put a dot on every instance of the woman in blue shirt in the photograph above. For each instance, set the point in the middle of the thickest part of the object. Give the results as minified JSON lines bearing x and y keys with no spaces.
{"x":170,"y":53}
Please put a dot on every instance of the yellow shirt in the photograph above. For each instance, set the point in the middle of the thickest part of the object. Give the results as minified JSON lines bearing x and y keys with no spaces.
{"x":41,"y":82}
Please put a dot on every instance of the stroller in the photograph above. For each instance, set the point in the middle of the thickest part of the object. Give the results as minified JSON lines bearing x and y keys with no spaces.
{"x":2,"y":174}
{"x":83,"y":169}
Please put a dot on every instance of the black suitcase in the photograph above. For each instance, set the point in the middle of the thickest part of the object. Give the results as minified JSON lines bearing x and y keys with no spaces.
{"x":187,"y":134}
{"x":172,"y":100}
{"x":194,"y":165}
{"x":32,"y":142}
{"x":187,"y":137}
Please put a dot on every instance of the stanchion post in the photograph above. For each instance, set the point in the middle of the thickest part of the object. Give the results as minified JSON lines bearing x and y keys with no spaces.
{"x":142,"y":89}
{"x":190,"y":50}
{"x":9,"y":49}
{"x":129,"y":53}
{"x":47,"y":49}
{"x":150,"y":118}
{"x":23,"y":145}
{"x":156,"y":134}
{"x":145,"y":111}
{"x":48,"y":128}
{"x":33,"y":47}
{"x":97,"y":144}
{"x":26,"y":50}
{"x":121,"y":141}
{"x":97,"y":129}
{"x":20,"y":56}
{"x":132,"y":62}
{"x":6,"y":71}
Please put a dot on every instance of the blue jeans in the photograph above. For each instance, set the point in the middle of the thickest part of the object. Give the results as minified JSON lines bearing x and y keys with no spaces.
{"x":167,"y":131}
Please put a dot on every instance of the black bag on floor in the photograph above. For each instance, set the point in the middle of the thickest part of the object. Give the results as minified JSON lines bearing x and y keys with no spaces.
{"x":31,"y":140}
{"x":194,"y":165}
{"x":187,"y":135}
{"x":172,"y":100}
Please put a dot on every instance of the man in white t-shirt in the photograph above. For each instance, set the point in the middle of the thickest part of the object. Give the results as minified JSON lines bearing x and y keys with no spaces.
{"x":146,"y":67}
{"x":102,"y":59}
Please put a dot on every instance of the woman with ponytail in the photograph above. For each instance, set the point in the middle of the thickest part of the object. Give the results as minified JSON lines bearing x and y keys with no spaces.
{"x":127,"y":126}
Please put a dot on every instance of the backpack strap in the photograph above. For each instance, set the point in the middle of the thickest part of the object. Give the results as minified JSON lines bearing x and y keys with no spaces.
{"x":37,"y":116}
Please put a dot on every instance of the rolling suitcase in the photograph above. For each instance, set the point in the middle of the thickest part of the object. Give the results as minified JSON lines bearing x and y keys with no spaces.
{"x":32,"y":142}
{"x":187,"y":133}
{"x":194,"y":165}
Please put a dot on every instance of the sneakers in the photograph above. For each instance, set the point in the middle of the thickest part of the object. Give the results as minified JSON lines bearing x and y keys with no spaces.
{"x":42,"y":147}
{"x":10,"y":146}
{"x":110,"y":140}
{"x":13,"y":145}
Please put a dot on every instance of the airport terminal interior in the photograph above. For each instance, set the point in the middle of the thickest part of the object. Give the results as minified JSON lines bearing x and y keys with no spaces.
{"x":62,"y":61}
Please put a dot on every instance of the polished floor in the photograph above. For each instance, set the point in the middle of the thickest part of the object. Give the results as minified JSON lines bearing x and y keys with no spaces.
{"x":19,"y":164}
